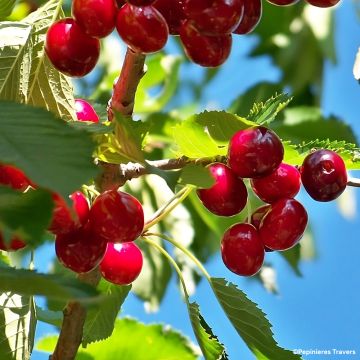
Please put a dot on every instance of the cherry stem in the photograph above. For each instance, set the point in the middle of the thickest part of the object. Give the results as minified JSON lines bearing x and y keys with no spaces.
{"x":355,"y":182}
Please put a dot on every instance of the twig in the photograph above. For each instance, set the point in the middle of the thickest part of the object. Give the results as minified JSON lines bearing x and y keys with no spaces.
{"x":353,"y":182}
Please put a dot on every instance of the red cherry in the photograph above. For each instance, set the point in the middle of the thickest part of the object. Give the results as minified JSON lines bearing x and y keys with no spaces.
{"x":228,"y":196}
{"x":251,"y":17}
{"x":208,"y":51}
{"x":69,"y":49}
{"x":117,"y":216}
{"x":143,"y":29}
{"x":259,"y":214}
{"x":323,"y":3}
{"x":85,"y":112}
{"x":283,"y":182}
{"x":15,"y":244}
{"x":255,"y":152}
{"x":214,"y":17}
{"x":122,"y":263}
{"x":95,"y":17}
{"x":80,"y":206}
{"x":13,"y":177}
{"x":323,"y":174}
{"x":140,"y":2}
{"x":80,"y":249}
{"x":173,"y":13}
{"x":283,"y":2}
{"x":241,"y":250}
{"x":283,"y":226}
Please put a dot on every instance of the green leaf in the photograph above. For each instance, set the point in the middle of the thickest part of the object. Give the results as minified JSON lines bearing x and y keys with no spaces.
{"x":54,"y":318}
{"x":210,"y":346}
{"x":27,"y":215}
{"x":249,"y":321}
{"x":293,"y":257}
{"x":196,"y":175}
{"x":17,"y":326}
{"x":6,"y":7}
{"x":49,"y":151}
{"x":100,"y":321}
{"x":26,"y":74}
{"x":93,"y":128}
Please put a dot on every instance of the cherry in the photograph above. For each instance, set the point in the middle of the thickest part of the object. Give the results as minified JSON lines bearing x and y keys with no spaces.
{"x":122,"y":263}
{"x":228,"y":196}
{"x":95,"y":17}
{"x":117,"y":216}
{"x":241,"y":250}
{"x":255,"y":152}
{"x":323,"y":3}
{"x":140,"y":2}
{"x":323,"y":174}
{"x":80,"y":249}
{"x":208,"y":51}
{"x":259,"y":214}
{"x":283,"y":2}
{"x":69,"y":49}
{"x":85,"y":112}
{"x":283,"y":182}
{"x":283,"y":226}
{"x":173,"y":12}
{"x":251,"y":17}
{"x":15,"y":244}
{"x":143,"y":29}
{"x":13,"y":177}
{"x":214,"y":17}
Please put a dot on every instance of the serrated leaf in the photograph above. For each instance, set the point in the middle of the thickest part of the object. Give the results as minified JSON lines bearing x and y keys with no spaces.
{"x":293,"y":257}
{"x":26,"y":75}
{"x":49,"y":151}
{"x":6,"y":7}
{"x":100,"y":321}
{"x":93,"y":128}
{"x":196,"y":175}
{"x":250,"y":322}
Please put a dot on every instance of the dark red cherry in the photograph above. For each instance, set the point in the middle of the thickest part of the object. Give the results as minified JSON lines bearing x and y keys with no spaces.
{"x":122,"y":263}
{"x":323,"y":174}
{"x":283,"y":182}
{"x":251,"y":17}
{"x":214,"y":17}
{"x":283,"y":226}
{"x":85,"y":112}
{"x":283,"y":2}
{"x":140,"y":2}
{"x":69,"y":49}
{"x":80,"y":207}
{"x":143,"y":28}
{"x":323,"y":3}
{"x":173,"y":12}
{"x":13,"y":177}
{"x":117,"y":216}
{"x":208,"y":51}
{"x":95,"y":17}
{"x":259,"y":214}
{"x":80,"y":249}
{"x":15,"y":244}
{"x":255,"y":152}
{"x":241,"y":250}
{"x":228,"y":196}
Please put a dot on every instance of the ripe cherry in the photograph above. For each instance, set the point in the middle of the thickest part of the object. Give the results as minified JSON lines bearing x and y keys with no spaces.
{"x":283,"y":2}
{"x":122,"y":263}
{"x":85,"y":112}
{"x":95,"y":17}
{"x":173,"y":12}
{"x":80,"y":249}
{"x":259,"y":214}
{"x":241,"y":250}
{"x":214,"y":17}
{"x":69,"y":49}
{"x":140,"y":2}
{"x":15,"y":244}
{"x":228,"y":196}
{"x":323,"y":3}
{"x":283,"y":226}
{"x":251,"y":17}
{"x":283,"y":182}
{"x":13,"y":177}
{"x":117,"y":216}
{"x":208,"y":51}
{"x":323,"y":174}
{"x":143,"y":28}
{"x":255,"y":152}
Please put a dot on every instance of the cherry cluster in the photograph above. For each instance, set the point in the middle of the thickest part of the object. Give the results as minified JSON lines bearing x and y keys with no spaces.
{"x":257,"y":153}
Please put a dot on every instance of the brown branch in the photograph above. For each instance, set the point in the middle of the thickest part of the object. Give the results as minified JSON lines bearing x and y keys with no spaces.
{"x":353,"y":182}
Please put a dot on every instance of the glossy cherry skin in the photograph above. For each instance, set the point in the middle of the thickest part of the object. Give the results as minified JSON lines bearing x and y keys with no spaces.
{"x":241,"y":250}
{"x":140,"y":2}
{"x":259,"y":214}
{"x":13,"y":177}
{"x":85,"y":112}
{"x":69,"y":49}
{"x":80,"y":249}
{"x":95,"y":17}
{"x":323,"y":3}
{"x":15,"y":244}
{"x":283,"y":226}
{"x":117,"y":216}
{"x":228,"y":196}
{"x":173,"y":13}
{"x":324,"y":176}
{"x":122,"y":263}
{"x":251,"y":17}
{"x":214,"y":17}
{"x":255,"y":152}
{"x":143,"y":28}
{"x":283,"y":182}
{"x":283,"y":2}
{"x":208,"y":51}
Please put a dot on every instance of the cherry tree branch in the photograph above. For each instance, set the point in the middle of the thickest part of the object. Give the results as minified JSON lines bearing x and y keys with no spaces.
{"x":353,"y":182}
